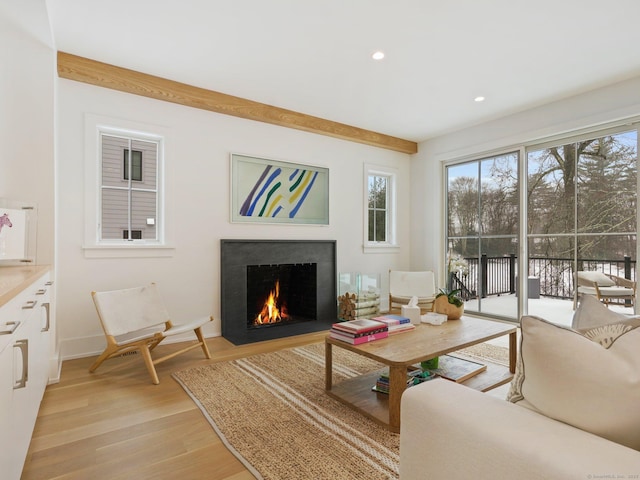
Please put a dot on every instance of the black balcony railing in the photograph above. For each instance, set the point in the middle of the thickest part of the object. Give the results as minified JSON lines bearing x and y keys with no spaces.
{"x":498,"y":275}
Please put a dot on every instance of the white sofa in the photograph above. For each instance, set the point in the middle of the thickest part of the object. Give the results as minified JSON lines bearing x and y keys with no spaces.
{"x":450,"y":432}
{"x":572,"y":411}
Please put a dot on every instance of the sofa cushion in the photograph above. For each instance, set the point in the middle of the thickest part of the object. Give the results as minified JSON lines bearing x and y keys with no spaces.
{"x":590,"y":381}
{"x":600,"y":278}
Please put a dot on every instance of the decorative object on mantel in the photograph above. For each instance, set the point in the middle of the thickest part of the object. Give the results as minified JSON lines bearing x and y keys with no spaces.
{"x":271,"y":191}
{"x":449,"y":303}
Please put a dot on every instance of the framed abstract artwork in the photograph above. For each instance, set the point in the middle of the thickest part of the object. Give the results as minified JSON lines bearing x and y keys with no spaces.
{"x":271,"y":191}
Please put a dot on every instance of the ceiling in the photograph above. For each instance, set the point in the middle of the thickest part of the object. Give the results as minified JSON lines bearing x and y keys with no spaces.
{"x":314,"y":57}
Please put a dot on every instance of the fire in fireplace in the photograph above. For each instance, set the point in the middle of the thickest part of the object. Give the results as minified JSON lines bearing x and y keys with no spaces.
{"x":282,"y":293}
{"x":274,"y":309}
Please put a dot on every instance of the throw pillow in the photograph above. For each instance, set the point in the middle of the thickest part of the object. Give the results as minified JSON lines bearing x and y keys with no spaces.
{"x":592,"y":385}
{"x":600,"y":278}
{"x":593,"y":313}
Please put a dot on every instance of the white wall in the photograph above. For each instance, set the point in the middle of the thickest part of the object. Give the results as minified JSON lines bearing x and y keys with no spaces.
{"x":27,"y":81}
{"x":618,"y":103}
{"x":26,"y":114}
{"x":198,"y":146}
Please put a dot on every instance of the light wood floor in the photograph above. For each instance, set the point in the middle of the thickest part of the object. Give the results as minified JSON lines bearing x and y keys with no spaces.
{"x":115,"y":424}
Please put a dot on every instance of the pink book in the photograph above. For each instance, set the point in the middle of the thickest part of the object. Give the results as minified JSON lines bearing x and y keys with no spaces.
{"x":359,"y":340}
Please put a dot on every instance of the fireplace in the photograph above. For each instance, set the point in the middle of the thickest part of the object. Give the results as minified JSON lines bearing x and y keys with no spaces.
{"x":276,"y":288}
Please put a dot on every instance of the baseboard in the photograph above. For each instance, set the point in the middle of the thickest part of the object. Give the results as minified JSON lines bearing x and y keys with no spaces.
{"x":91,"y":346}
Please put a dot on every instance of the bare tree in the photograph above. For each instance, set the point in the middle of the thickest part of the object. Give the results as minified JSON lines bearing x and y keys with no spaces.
{"x":602,"y":172}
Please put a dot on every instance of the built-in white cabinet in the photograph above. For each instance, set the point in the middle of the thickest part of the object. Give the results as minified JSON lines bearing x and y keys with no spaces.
{"x":25,"y":350}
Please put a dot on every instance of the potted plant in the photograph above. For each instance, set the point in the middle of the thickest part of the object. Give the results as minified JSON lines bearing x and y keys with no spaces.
{"x":449,"y":303}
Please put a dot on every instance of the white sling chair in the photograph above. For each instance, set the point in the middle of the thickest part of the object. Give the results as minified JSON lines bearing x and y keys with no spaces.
{"x":136,"y":319}
{"x":405,"y":285}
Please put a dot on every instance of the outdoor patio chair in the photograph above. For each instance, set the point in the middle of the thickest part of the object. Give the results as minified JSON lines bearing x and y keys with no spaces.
{"x":609,"y":289}
{"x":135,"y":319}
{"x":405,"y":285}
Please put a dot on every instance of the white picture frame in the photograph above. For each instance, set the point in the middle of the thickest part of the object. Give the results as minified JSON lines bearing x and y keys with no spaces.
{"x":273,"y":191}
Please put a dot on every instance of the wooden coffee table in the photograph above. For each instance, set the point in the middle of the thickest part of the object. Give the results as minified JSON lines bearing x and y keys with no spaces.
{"x":402,"y":350}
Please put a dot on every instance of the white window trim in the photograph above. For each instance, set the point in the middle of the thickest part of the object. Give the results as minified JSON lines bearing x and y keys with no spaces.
{"x":390,"y":245}
{"x":93,"y":246}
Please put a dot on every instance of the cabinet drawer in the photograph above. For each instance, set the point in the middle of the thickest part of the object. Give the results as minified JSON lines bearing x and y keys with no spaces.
{"x":24,"y":359}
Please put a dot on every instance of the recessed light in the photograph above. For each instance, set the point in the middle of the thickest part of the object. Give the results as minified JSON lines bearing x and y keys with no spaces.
{"x":378,"y":55}
{"x":479,"y":99}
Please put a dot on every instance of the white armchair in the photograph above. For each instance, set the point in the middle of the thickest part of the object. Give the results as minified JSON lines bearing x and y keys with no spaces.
{"x":405,"y":285}
{"x":609,"y":289}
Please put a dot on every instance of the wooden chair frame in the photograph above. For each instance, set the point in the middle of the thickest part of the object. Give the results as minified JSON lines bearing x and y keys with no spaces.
{"x":626,"y":298}
{"x":144,"y":340}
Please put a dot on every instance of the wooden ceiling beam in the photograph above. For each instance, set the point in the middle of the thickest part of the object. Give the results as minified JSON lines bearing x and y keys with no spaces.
{"x":85,"y":70}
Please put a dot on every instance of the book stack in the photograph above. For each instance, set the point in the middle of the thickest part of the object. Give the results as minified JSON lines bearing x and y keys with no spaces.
{"x":359,"y":331}
{"x":457,"y":369}
{"x":396,"y":323}
{"x":415,"y":377}
{"x":382,"y":384}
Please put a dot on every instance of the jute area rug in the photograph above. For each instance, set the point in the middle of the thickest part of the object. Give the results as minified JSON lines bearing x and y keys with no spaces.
{"x":273,"y":414}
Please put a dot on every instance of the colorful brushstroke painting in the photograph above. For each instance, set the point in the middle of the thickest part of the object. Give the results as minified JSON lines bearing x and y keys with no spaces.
{"x":270,"y":191}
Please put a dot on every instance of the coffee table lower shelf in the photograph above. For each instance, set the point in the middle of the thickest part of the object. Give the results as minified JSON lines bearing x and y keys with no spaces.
{"x":356,"y":392}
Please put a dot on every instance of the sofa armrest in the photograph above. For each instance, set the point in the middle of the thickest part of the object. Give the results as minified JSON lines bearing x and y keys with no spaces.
{"x":454,"y":432}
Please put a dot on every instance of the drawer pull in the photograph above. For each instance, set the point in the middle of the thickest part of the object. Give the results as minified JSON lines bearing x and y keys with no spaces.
{"x":23,"y":345}
{"x":41,"y":291}
{"x":46,"y":306}
{"x":8,"y":328}
{"x":29,"y":305}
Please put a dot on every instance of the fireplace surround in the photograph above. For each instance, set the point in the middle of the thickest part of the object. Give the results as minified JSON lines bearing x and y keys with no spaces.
{"x":238,"y":256}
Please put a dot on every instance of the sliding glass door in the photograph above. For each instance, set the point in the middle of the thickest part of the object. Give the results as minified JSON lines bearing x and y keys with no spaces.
{"x":482,"y":232}
{"x":579,"y":206}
